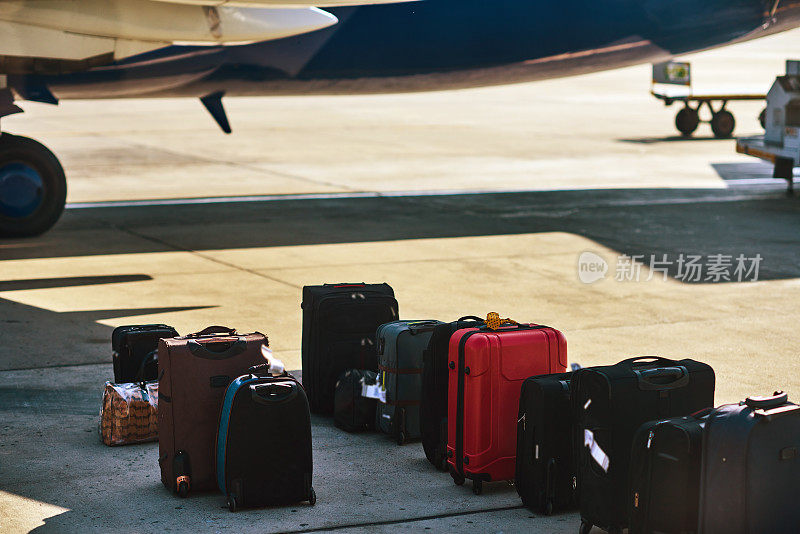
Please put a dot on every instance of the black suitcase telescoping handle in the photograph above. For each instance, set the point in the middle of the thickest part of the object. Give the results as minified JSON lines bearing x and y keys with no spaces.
{"x":779,"y":398}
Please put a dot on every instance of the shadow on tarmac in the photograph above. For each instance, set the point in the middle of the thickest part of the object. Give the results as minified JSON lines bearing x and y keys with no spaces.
{"x":637,"y":222}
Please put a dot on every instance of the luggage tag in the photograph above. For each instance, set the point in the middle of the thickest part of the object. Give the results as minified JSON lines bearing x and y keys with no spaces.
{"x":598,"y":454}
{"x":373,"y":391}
{"x":276,"y":367}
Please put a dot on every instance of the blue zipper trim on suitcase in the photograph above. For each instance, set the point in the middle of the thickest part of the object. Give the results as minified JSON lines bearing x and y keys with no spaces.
{"x":225,"y":416}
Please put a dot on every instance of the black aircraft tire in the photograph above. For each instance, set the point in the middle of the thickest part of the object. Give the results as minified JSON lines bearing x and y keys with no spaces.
{"x":722,"y":124}
{"x":687,"y":120}
{"x":33,"y":187}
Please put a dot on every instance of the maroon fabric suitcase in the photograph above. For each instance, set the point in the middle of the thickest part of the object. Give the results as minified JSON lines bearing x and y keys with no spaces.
{"x":194,"y":372}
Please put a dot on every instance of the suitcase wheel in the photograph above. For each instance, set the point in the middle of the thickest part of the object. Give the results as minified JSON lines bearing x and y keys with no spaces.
{"x":548,"y":508}
{"x":443,"y":464}
{"x":458,"y":479}
{"x":183,"y":486}
{"x":586,"y":527}
{"x":401,"y":438}
{"x":312,"y":497}
{"x":477,"y":487}
{"x":232,"y":503}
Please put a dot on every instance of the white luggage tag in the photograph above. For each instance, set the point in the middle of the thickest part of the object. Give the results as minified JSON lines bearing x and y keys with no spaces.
{"x":276,"y":367}
{"x":374,"y":391}
{"x":597,"y":453}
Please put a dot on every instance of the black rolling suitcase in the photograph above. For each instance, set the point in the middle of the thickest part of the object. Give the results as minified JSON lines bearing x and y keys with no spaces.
{"x":665,"y":475}
{"x":610,"y":404}
{"x":352,"y":411}
{"x":339,"y":324}
{"x":545,"y":474}
{"x":135,"y":351}
{"x":433,"y":402}
{"x":750,"y":477}
{"x":263,"y":452}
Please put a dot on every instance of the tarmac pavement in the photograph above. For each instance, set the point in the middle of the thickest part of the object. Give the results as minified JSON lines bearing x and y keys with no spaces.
{"x":465,"y":202}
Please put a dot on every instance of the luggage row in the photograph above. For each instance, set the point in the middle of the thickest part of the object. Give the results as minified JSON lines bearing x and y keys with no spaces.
{"x":633,"y":445}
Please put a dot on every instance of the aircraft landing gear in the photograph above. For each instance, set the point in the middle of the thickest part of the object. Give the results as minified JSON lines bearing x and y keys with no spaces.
{"x":33,"y":187}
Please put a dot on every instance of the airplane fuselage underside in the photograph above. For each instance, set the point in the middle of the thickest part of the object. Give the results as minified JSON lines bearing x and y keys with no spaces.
{"x":432,"y":45}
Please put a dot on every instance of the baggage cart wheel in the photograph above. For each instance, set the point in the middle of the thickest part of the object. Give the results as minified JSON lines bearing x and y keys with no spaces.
{"x":401,"y":438}
{"x":723,"y":124}
{"x":183,"y":488}
{"x":586,"y":527}
{"x":312,"y":497}
{"x":232,"y":504}
{"x":687,"y":120}
{"x":458,"y":479}
{"x":477,"y":487}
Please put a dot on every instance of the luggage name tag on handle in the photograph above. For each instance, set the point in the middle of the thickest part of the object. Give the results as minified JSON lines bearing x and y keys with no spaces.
{"x":598,"y":454}
{"x":273,"y":366}
{"x":373,"y":391}
{"x":494,"y":322}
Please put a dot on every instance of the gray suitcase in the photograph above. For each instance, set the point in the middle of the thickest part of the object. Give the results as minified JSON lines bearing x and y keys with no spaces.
{"x":400,"y":347}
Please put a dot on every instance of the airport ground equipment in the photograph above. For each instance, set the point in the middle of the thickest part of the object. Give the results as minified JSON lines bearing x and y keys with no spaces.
{"x":195,"y":370}
{"x":339,"y":325}
{"x":611,"y":403}
{"x":750,"y":476}
{"x":433,"y":407}
{"x":672,"y":82}
{"x":487,"y":368}
{"x":545,"y":477}
{"x":780,"y":144}
{"x":263,"y":452}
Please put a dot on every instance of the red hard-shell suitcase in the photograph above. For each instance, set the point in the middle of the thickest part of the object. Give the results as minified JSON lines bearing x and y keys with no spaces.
{"x":486,"y":371}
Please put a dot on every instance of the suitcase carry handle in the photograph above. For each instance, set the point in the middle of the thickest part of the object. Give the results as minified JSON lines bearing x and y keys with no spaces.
{"x":201,"y":351}
{"x":151,"y":356}
{"x":768,"y":401}
{"x":362,"y":284}
{"x":210,"y":330}
{"x":638,"y":361}
{"x":471,"y":318}
{"x":273,"y":393}
{"x":415,"y":327}
{"x":512,"y":328}
{"x":653,"y":379}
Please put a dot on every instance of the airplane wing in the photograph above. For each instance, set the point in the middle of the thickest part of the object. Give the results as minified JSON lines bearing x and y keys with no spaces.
{"x":82,"y":33}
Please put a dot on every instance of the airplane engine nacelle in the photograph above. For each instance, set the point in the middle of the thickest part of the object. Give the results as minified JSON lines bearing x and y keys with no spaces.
{"x":79,"y":29}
